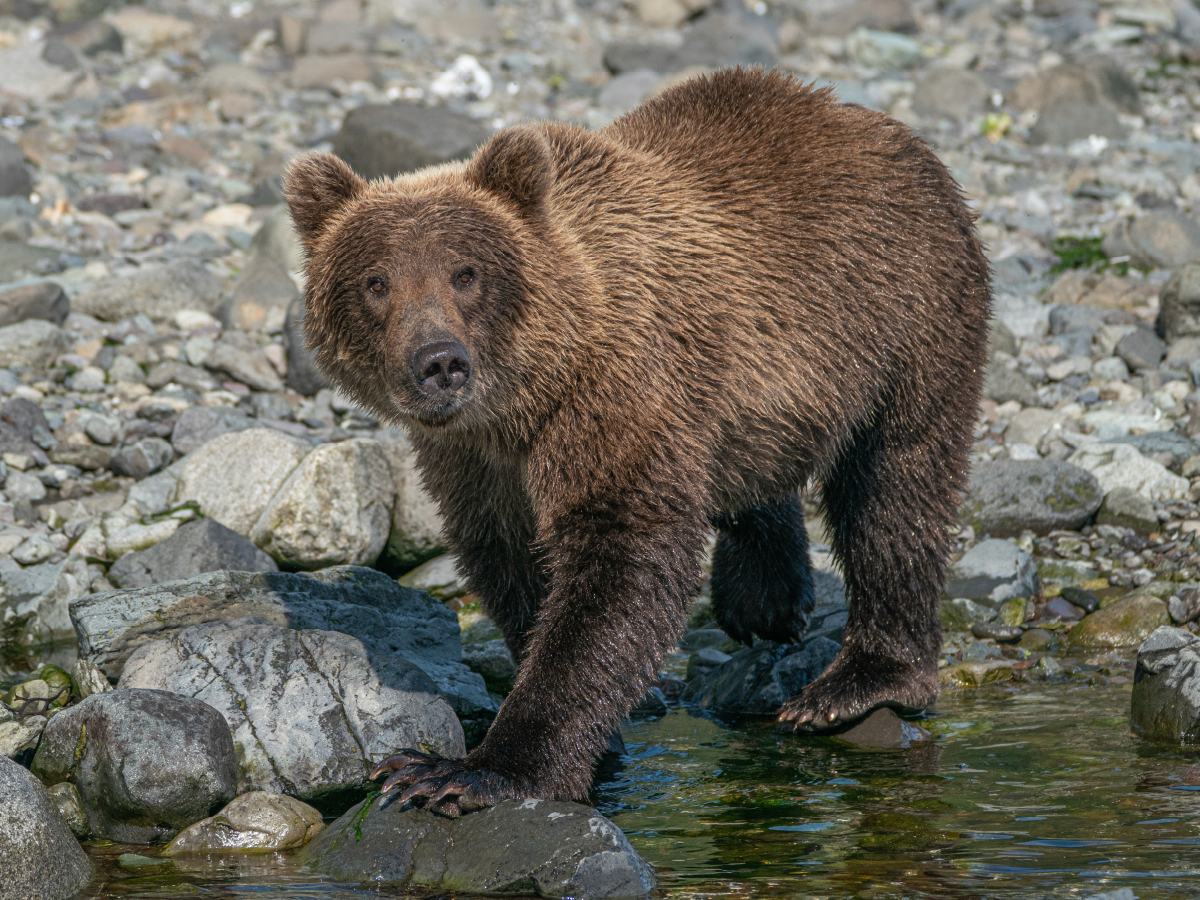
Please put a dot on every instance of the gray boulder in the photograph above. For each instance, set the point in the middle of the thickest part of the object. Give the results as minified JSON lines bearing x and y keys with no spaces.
{"x":159,"y":291}
{"x":1141,"y":349}
{"x":21,"y":421}
{"x":14,"y":176}
{"x":311,"y":712}
{"x":715,"y":41}
{"x":200,"y":546}
{"x":1126,"y":508}
{"x":34,"y":342}
{"x":234,"y":476}
{"x":147,"y":763}
{"x":263,"y":285}
{"x":416,"y":528}
{"x":1165,"y":705}
{"x":1163,"y":238}
{"x":756,"y":681}
{"x":389,"y":619}
{"x":1005,"y":497}
{"x":42,"y":859}
{"x":546,"y":848}
{"x":238,"y":355}
{"x":382,"y":141}
{"x":200,"y":424}
{"x":303,"y":376}
{"x":991,"y":572}
{"x":173,"y":371}
{"x":1065,"y":121}
{"x":143,"y":459}
{"x":41,"y":300}
{"x":1179,"y":303}
{"x":1004,"y":382}
{"x":18,"y":259}
{"x":334,"y":509}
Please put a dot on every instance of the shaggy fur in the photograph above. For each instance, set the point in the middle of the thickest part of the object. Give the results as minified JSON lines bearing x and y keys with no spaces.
{"x":738,"y":288}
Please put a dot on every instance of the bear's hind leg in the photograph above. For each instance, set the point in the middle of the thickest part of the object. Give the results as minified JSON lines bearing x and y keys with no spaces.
{"x":762,"y":582}
{"x":890,"y":501}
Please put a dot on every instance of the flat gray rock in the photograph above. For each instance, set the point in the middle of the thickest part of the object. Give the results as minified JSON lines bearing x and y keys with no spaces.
{"x":200,"y":424}
{"x":311,"y":712}
{"x":147,"y":763}
{"x":715,"y":41}
{"x":201,"y":546}
{"x":158,"y":290}
{"x":41,"y":300}
{"x":1005,"y":497}
{"x":34,"y":342}
{"x":381,"y":141}
{"x":1165,"y":705}
{"x":41,"y":857}
{"x":540,"y":847}
{"x":389,"y":619}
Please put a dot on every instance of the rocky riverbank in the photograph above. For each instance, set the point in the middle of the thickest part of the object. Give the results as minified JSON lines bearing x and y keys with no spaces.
{"x":172,"y":464}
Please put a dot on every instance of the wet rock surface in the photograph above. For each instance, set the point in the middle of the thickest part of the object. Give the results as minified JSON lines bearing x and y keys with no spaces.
{"x":541,"y":847}
{"x":253,"y":822}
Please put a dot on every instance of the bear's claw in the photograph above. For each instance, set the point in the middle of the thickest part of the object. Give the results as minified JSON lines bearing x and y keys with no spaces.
{"x":850,"y":689}
{"x":448,"y":787}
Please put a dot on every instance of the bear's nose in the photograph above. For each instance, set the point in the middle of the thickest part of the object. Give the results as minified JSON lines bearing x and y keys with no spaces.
{"x":441,"y":367}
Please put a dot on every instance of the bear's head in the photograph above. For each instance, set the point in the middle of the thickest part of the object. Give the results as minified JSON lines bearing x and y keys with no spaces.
{"x":416,"y":286}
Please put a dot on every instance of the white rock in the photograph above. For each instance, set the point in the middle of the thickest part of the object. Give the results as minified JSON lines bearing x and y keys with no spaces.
{"x":334,"y":509}
{"x":233,"y":477}
{"x":88,"y":679}
{"x":18,"y":736}
{"x":1121,"y":465}
{"x":416,"y":520}
{"x":310,"y":711}
{"x":139,"y":537}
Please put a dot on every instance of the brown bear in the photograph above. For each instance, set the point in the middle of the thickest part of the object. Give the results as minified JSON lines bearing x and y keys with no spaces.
{"x":603,"y":344}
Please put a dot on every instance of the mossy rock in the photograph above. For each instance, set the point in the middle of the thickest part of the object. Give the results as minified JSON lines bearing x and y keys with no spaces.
{"x":1125,"y":623}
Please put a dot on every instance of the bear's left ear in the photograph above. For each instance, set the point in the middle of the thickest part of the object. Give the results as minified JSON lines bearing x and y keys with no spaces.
{"x":316,"y":185}
{"x":517,"y":165}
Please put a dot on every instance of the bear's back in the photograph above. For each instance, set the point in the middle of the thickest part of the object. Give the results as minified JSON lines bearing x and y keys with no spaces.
{"x":740,"y":135}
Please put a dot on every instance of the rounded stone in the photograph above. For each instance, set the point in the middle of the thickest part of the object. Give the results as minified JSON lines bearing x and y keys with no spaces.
{"x":1006,"y":497}
{"x":147,"y":763}
{"x":1125,"y":623}
{"x":42,"y":858}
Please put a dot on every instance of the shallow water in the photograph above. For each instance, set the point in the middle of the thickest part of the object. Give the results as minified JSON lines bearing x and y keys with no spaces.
{"x":1034,"y":790}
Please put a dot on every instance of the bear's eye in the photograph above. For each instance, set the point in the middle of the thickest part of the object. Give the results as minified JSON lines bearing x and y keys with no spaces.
{"x":376,"y":286}
{"x":464,"y":277}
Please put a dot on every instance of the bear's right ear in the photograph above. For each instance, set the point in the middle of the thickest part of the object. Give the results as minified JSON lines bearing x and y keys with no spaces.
{"x":517,"y":165}
{"x":315,"y":186}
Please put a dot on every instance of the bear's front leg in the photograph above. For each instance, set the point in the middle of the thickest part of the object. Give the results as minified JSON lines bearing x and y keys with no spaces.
{"x":621,"y":573}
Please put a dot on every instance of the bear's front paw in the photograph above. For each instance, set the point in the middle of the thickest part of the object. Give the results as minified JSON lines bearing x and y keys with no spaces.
{"x":448,"y":787}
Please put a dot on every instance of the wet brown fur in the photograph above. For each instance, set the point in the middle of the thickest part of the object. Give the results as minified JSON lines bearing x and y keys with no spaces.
{"x":738,"y":288}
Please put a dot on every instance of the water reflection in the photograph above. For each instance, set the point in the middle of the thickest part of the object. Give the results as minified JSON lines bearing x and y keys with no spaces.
{"x":1027,"y":791}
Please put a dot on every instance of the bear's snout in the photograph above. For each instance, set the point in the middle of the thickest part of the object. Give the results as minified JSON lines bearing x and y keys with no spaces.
{"x":440,"y":369}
